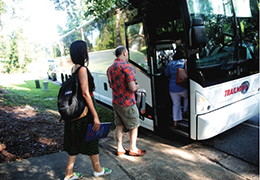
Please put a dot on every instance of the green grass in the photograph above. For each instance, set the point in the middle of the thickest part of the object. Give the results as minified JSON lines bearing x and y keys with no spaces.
{"x":43,"y":102}
{"x":28,"y":94}
{"x":106,"y":116}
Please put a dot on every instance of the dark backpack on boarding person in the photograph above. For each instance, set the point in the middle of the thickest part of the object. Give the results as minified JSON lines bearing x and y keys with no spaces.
{"x":71,"y":103}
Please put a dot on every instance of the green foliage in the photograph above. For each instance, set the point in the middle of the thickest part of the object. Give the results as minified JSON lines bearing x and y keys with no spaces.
{"x":19,"y":56}
{"x":4,"y":44}
{"x":14,"y":47}
{"x":75,"y":13}
{"x":86,"y":9}
{"x":56,"y":50}
{"x":106,"y":115}
{"x":13,"y":62}
{"x":107,"y":37}
{"x":99,"y":8}
{"x":91,"y":8}
{"x":2,"y":8}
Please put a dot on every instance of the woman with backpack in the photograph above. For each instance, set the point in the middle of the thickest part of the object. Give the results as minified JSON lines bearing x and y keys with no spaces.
{"x":75,"y":131}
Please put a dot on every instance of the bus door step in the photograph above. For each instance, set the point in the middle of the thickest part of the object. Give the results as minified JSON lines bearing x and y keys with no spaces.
{"x":183,"y":123}
{"x":178,"y":131}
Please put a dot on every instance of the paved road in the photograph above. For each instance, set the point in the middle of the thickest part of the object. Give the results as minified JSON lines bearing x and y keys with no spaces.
{"x":241,"y":141}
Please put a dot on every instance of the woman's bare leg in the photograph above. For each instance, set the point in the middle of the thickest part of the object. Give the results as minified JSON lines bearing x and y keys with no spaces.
{"x":95,"y":163}
{"x":70,"y":165}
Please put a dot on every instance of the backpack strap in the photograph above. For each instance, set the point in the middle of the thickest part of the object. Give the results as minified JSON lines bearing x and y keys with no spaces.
{"x":77,"y":70}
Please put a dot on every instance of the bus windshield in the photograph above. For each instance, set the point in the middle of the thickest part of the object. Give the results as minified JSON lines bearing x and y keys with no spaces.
{"x":242,"y":7}
{"x":229,"y":39}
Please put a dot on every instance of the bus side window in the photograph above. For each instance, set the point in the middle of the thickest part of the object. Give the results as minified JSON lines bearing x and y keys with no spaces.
{"x":137,"y":45}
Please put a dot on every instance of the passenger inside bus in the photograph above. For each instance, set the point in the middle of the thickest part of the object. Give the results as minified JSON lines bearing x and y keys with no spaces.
{"x":177,"y":92}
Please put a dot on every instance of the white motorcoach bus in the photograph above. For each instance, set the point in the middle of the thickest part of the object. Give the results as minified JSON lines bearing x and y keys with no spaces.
{"x":221,"y":37}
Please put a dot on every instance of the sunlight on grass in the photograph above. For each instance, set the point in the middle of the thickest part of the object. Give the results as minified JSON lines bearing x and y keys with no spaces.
{"x":19,"y":88}
{"x":29,"y":107}
{"x":27,"y":94}
{"x":53,"y":112}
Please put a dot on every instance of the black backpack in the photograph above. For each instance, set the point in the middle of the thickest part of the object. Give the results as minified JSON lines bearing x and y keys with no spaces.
{"x":71,"y":103}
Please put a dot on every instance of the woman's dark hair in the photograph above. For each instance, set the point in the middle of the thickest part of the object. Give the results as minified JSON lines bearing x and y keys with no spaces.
{"x":79,"y":55}
{"x":79,"y":52}
{"x":180,"y":53}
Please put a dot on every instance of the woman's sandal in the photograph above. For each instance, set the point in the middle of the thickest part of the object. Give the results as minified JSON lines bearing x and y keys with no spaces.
{"x":104,"y":172}
{"x":75,"y":176}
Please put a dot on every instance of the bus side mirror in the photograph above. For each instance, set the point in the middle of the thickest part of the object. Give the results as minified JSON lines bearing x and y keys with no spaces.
{"x":197,"y":33}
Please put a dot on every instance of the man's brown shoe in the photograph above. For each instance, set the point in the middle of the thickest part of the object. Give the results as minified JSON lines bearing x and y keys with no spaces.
{"x":139,"y":153}
{"x":119,"y":153}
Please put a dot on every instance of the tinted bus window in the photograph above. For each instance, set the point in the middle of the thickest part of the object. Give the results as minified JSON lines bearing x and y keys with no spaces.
{"x":217,"y":17}
{"x":137,"y":45}
{"x":225,"y":43}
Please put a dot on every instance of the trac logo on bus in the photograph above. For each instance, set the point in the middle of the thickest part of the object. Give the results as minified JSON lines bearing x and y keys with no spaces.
{"x":243,"y":89}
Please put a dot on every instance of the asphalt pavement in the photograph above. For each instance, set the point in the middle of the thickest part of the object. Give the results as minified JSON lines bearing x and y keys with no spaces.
{"x":164,"y":160}
{"x":241,"y":141}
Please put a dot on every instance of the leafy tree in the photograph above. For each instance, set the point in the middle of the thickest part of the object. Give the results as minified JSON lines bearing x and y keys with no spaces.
{"x":2,"y":10}
{"x":2,"y":6}
{"x":19,"y":55}
{"x":14,"y":47}
{"x":13,"y":63}
{"x":98,"y":9}
{"x":74,"y":11}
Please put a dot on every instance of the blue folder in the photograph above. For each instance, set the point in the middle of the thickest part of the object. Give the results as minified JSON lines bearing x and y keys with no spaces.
{"x":101,"y":133}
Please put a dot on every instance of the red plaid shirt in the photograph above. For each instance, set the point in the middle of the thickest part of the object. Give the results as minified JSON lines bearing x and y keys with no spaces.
{"x":119,"y":75}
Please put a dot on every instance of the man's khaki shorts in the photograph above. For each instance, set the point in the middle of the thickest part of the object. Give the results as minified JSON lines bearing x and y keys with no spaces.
{"x":127,"y":116}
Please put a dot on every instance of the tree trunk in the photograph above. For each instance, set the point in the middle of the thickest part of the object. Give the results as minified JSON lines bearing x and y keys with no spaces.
{"x":118,"y":36}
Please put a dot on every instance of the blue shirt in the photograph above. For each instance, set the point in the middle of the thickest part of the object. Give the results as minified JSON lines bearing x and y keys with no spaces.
{"x":171,"y":70}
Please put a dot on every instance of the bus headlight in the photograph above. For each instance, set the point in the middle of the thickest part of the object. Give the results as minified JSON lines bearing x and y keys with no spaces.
{"x":202,"y":104}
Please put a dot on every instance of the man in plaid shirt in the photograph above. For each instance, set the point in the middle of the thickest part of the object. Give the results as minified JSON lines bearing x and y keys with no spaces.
{"x":121,"y":80}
